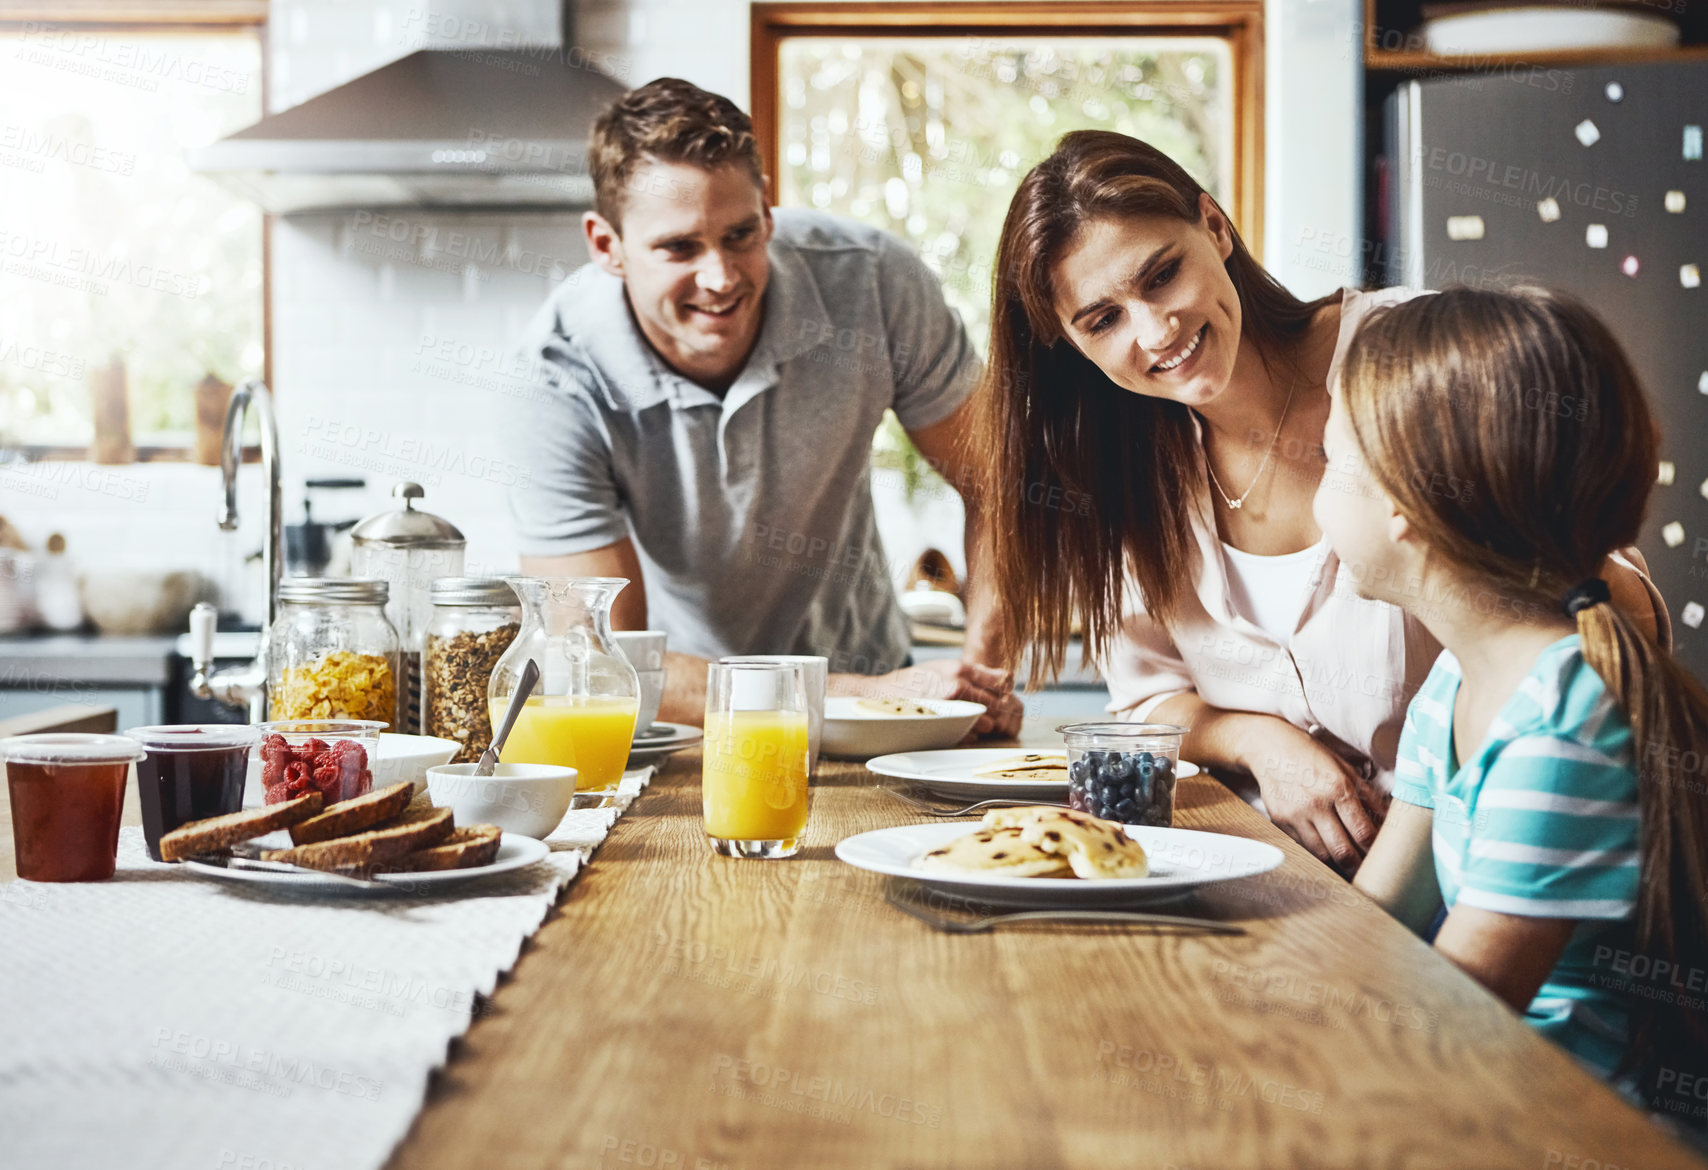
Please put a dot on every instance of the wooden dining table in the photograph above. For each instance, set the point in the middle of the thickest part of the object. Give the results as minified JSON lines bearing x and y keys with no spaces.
{"x":687,"y":1011}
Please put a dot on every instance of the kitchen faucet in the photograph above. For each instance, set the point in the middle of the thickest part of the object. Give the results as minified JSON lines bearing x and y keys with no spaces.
{"x":243,"y":686}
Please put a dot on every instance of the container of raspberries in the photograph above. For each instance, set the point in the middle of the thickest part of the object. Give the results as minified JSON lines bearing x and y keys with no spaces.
{"x":334,"y":757}
{"x":1123,"y":771}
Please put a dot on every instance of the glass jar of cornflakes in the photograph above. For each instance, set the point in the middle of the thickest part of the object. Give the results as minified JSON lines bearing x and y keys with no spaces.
{"x":331,"y":652}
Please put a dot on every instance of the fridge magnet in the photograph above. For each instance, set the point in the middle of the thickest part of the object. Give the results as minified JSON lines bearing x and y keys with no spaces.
{"x":1666,"y":472}
{"x":1629,"y":266}
{"x":1673,"y":534}
{"x":1548,"y":209}
{"x":1703,"y":488}
{"x":1690,"y":276}
{"x":1615,"y":92}
{"x":1675,"y":202}
{"x":1595,"y":235}
{"x":1702,"y":382}
{"x":1587,"y":132}
{"x":1464,"y":227}
{"x":1693,"y":143}
{"x":1692,"y":614}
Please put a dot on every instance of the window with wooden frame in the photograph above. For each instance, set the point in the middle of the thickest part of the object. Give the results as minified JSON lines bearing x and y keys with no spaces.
{"x":132,"y":291}
{"x":921,"y":118}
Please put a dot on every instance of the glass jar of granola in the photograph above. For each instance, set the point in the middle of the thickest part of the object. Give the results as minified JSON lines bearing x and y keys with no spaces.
{"x":331,"y":653}
{"x":473,"y":622}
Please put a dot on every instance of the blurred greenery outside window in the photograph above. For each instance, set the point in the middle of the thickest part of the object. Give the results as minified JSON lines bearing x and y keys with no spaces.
{"x":111,"y":250}
{"x":929,"y":137}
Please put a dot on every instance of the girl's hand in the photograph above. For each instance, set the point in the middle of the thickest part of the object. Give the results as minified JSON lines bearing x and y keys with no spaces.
{"x":1316,"y":797}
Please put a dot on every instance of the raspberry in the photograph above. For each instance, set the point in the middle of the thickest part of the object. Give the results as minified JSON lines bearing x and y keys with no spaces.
{"x":342,"y":772}
{"x":297,"y":772}
{"x":275,"y":754}
{"x":311,"y":750}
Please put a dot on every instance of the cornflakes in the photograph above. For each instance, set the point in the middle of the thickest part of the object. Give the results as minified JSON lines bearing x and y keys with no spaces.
{"x":339,"y":685}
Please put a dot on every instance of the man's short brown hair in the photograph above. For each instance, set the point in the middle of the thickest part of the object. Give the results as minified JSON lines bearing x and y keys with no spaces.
{"x":667,"y":120}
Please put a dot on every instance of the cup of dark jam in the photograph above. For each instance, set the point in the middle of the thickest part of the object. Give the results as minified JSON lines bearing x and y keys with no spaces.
{"x":191,"y":772}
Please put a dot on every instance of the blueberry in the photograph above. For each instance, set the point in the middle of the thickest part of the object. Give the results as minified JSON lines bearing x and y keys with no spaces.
{"x":1078,"y":771}
{"x":1126,"y":810}
{"x":1122,"y":767}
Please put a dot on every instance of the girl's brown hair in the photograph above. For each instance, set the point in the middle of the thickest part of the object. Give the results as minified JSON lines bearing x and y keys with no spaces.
{"x":1084,"y":480}
{"x":1529,"y":401}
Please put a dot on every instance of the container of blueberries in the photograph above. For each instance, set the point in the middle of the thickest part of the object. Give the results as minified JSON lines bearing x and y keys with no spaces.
{"x":1123,"y":771}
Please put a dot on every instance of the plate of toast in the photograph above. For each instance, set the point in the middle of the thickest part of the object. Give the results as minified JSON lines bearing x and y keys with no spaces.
{"x":1056,"y":857}
{"x":987,"y":773}
{"x":383,"y":841}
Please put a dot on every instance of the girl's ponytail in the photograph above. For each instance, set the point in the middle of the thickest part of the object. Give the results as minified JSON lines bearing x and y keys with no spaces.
{"x":1668,"y":712}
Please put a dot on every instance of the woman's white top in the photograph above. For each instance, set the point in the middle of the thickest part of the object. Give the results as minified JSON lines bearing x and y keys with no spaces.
{"x":1269,"y":591}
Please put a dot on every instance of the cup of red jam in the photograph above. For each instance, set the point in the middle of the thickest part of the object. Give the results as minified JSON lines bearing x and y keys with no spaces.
{"x":68,"y":790}
{"x":191,"y":772}
{"x":334,"y":757}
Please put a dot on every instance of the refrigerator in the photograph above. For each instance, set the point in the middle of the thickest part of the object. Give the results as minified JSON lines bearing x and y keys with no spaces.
{"x":1591,"y":181}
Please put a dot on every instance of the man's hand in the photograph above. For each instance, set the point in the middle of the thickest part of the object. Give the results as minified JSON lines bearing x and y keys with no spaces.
{"x":945,"y":678}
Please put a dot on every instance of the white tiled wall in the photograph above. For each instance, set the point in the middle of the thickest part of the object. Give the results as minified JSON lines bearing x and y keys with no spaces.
{"x":391,"y":333}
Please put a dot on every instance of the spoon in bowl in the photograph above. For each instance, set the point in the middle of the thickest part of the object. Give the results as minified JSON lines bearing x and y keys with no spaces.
{"x":524,"y":687}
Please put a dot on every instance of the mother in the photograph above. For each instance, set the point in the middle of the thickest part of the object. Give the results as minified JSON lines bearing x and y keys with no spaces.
{"x":1152,"y":437}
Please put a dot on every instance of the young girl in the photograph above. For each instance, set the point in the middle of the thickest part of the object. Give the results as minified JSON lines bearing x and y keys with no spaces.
{"x":1486,"y":451}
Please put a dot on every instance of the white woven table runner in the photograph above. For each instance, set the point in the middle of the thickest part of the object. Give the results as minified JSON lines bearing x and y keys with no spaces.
{"x":165,"y":1021}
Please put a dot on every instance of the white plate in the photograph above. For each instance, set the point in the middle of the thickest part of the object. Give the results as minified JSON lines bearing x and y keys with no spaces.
{"x":1546,"y":29}
{"x":1181,"y":860}
{"x":952,"y":773}
{"x":513,"y":853}
{"x":654,"y":748}
{"x":850,"y":731}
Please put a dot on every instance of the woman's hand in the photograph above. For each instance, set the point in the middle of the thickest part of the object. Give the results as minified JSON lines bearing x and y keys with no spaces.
{"x":1316,"y":797}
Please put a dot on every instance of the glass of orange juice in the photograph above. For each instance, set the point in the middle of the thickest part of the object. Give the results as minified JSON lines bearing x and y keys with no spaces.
{"x":754,"y":777}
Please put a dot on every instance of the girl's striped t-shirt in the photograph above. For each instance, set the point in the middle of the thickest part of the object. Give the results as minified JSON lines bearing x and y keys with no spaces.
{"x":1541,"y":822}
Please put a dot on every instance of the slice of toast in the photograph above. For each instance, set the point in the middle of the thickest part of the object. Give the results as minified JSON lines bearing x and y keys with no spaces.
{"x":463,"y":849}
{"x":386,"y":842}
{"x":354,"y":815}
{"x":215,"y":833}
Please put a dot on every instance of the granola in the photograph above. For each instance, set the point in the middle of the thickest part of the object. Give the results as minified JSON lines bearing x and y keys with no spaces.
{"x":458,"y":669}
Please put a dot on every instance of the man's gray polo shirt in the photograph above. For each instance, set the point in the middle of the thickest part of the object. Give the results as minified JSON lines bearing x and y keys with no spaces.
{"x":752,"y":514}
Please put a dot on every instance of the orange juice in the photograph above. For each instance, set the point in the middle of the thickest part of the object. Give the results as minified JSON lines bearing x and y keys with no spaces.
{"x":591,"y":735}
{"x":755,"y":775}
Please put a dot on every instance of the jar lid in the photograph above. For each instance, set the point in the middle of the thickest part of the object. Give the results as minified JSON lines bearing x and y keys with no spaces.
{"x":1096,"y":734}
{"x":70,"y":747}
{"x":334,"y":590}
{"x":473,"y":591}
{"x":191,"y":737}
{"x":408,"y":528}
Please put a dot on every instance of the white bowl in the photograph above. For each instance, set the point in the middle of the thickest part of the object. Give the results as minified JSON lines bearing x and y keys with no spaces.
{"x":850,"y":732}
{"x":526,"y":799}
{"x":407,"y":757}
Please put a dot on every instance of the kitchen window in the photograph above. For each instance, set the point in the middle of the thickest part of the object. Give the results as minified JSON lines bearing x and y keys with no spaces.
{"x":125,"y":280}
{"x":922,"y":118}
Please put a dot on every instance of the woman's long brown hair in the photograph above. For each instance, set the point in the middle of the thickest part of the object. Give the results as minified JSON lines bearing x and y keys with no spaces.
{"x":1084,"y":481}
{"x":1526,"y":397}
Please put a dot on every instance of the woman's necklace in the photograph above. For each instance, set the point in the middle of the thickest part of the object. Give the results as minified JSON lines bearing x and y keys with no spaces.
{"x":1233,"y":503}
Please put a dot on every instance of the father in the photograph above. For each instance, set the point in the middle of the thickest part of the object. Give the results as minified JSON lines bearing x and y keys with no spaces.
{"x":711,"y":385}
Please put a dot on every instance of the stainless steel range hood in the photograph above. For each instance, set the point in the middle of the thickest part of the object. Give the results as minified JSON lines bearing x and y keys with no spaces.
{"x":441,"y":128}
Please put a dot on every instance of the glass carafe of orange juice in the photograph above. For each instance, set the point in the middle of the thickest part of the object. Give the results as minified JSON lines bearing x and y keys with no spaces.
{"x":582,"y":712}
